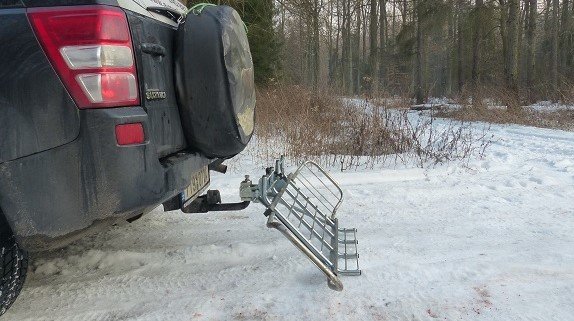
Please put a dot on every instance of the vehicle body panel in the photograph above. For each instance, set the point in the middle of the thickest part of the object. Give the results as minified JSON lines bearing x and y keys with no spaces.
{"x":155,"y":71}
{"x":55,"y":193}
{"x":37,"y":113}
{"x":62,"y":172}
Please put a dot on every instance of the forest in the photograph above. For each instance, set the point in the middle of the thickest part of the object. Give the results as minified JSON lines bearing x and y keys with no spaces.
{"x":521,"y":50}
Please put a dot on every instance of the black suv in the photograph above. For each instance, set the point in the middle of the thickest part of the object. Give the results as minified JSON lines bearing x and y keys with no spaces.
{"x":109,"y":108}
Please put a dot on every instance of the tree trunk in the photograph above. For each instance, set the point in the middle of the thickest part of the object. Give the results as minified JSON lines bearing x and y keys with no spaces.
{"x":451,"y":23}
{"x":330,"y":54}
{"x":530,"y":31}
{"x":520,"y":36}
{"x":405,"y":10}
{"x":309,"y":52}
{"x":364,"y":30}
{"x":459,"y":50}
{"x":504,"y":36}
{"x":554,"y":50}
{"x":394,"y":23}
{"x":315,"y":45}
{"x":478,"y":21}
{"x":380,"y":75}
{"x":304,"y":63}
{"x":419,"y":55}
{"x":565,"y":34}
{"x":512,"y":45}
{"x":358,"y":46}
{"x":373,"y":48}
{"x":337,"y":67}
{"x":350,"y":50}
{"x":282,"y":23}
{"x":347,"y":67}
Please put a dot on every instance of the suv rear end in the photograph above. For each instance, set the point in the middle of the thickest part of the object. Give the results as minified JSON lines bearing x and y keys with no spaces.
{"x":94,"y":129}
{"x":90,"y":134}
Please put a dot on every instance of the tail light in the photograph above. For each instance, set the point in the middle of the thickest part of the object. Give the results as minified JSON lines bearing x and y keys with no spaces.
{"x":130,"y":134}
{"x":91,"y":50}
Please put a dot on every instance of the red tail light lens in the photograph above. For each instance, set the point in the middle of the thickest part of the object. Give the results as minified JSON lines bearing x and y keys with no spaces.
{"x":130,"y":134}
{"x":91,"y":50}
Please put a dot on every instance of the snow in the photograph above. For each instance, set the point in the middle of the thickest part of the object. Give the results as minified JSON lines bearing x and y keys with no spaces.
{"x":491,"y":241}
{"x":548,"y":106}
{"x":434,"y":102}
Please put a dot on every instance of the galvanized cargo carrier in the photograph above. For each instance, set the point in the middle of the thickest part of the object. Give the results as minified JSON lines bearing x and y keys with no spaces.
{"x":303,"y":207}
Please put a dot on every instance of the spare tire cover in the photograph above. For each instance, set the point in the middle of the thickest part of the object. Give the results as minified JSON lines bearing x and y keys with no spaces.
{"x":214,"y":81}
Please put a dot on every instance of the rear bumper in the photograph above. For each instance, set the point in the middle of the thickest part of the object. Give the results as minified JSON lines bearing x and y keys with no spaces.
{"x":52,"y":196}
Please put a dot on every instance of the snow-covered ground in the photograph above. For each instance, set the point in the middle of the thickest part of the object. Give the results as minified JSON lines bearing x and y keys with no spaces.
{"x":494,"y":242}
{"x":547,"y":106}
{"x":443,"y":102}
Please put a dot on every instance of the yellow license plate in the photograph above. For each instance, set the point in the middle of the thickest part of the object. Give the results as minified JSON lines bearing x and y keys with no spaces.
{"x":199,"y":181}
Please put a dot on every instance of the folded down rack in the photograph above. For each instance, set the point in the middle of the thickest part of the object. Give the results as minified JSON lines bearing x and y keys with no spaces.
{"x":303,"y":207}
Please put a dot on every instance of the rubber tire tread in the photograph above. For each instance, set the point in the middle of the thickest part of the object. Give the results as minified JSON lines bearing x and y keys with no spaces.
{"x":13,"y":269}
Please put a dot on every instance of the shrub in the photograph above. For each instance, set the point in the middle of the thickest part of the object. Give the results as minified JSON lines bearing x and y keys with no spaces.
{"x":351,"y":133}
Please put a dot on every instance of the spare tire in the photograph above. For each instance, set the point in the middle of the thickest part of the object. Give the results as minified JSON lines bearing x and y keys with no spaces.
{"x":214,"y":81}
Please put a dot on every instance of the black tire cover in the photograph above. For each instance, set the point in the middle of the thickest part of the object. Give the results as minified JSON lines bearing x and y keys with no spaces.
{"x":210,"y":76}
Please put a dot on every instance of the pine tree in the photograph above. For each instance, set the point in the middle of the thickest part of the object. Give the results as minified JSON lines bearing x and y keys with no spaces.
{"x":263,"y":41}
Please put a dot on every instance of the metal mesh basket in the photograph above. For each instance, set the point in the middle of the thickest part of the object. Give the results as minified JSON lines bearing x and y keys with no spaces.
{"x":303,"y":206}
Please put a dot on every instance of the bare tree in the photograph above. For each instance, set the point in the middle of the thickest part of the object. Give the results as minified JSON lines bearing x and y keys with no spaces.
{"x":373,"y":46}
{"x":460,"y":45}
{"x":419,"y":53}
{"x":382,"y":41}
{"x":554,"y":49}
{"x":511,"y":59}
{"x":530,"y":30}
{"x":477,"y":24}
{"x":421,"y":47}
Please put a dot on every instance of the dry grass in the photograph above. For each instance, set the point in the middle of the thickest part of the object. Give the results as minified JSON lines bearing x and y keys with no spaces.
{"x":350,"y":134}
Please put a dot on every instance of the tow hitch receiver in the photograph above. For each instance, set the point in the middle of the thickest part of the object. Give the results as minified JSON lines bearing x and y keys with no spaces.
{"x":303,"y":207}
